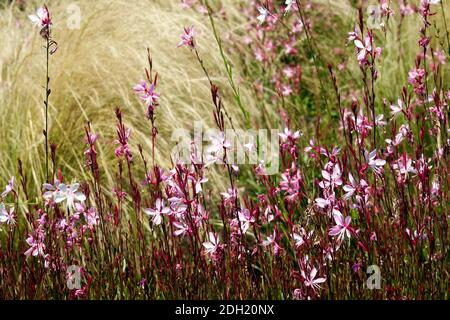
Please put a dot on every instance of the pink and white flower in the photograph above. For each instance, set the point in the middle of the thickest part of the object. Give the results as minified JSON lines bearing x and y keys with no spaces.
{"x":213,"y":244}
{"x":187,"y":38}
{"x":342,"y":228}
{"x":350,"y":188}
{"x":157,"y":213}
{"x":310,"y":280}
{"x":41,"y":18}
{"x":37,"y":246}
{"x":374,"y":162}
{"x":364,"y":49}
{"x":9,"y":187}
{"x":70,"y":194}
{"x":263,"y":13}
{"x":331,"y":179}
{"x":7,"y":216}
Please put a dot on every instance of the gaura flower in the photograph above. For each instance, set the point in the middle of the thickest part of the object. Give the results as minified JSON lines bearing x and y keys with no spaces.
{"x":7,"y":216}
{"x":41,"y":18}
{"x":187,"y":38}
{"x":311,"y":280}
{"x":213,"y":244}
{"x":157,"y":213}
{"x":9,"y":187}
{"x":263,"y":13}
{"x":342,"y":227}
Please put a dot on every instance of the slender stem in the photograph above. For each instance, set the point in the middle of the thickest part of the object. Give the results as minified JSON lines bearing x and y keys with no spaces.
{"x":47,"y":93}
{"x":228,"y":67}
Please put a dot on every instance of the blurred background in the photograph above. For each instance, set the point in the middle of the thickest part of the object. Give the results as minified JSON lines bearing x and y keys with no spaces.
{"x":98,"y":63}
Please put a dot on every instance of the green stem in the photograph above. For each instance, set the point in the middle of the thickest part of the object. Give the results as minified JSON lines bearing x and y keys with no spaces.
{"x":228,"y":67}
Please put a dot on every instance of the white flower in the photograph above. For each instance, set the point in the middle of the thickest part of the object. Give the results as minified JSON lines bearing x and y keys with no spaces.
{"x":6,"y":216}
{"x":218,"y":143}
{"x":311,"y":281}
{"x":289,"y":4}
{"x":263,"y":13}
{"x":364,"y":48}
{"x":41,"y":18}
{"x":289,"y":135}
{"x":245,"y":219}
{"x":270,"y":239}
{"x":157,"y":212}
{"x":213,"y":243}
{"x":182,"y":229}
{"x":350,"y":188}
{"x":396,"y":109}
{"x":299,"y":241}
{"x":375,"y":164}
{"x":61,"y":192}
{"x":9,"y":187}
{"x":69,"y":193}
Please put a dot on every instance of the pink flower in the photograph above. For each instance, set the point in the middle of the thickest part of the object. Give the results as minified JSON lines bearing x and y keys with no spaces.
{"x":272,"y":241}
{"x":396,"y":109}
{"x":198,"y":183}
{"x":416,"y":77}
{"x":91,"y":217}
{"x":352,"y":36}
{"x":406,"y":10}
{"x":245,"y":219}
{"x":182,"y":229}
{"x":187,"y":4}
{"x":79,"y":293}
{"x":157,"y":213}
{"x":404,"y":165}
{"x":327,"y":202}
{"x":123,"y":149}
{"x":302,"y":236}
{"x":147,"y":94}
{"x":299,"y":241}
{"x":286,"y":90}
{"x":311,"y":280}
{"x":9,"y":187}
{"x":289,"y":46}
{"x":288,"y":136}
{"x":219,"y":142}
{"x":7,"y":216}
{"x":363,"y":49}
{"x":440,"y":55}
{"x":41,"y":18}
{"x":342,"y":227}
{"x":385,"y":8}
{"x":331,"y":179}
{"x":298,"y":294}
{"x":187,"y":38}
{"x":37,"y":246}
{"x":291,"y":182}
